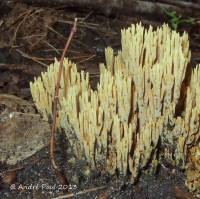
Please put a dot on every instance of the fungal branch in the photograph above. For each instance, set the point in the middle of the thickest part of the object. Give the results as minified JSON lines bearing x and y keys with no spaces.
{"x":117,"y":127}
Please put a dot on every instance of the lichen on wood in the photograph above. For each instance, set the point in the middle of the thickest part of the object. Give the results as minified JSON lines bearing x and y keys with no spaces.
{"x":122,"y":123}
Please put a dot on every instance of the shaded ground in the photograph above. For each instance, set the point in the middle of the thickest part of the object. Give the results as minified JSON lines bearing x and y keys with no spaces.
{"x":42,"y":182}
{"x":30,"y":38}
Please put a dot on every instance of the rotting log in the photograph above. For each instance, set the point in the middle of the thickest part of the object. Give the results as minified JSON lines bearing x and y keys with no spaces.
{"x":126,"y":7}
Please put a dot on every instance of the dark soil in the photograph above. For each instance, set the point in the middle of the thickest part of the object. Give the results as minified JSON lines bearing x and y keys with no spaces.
{"x":30,"y":39}
{"x":37,"y":180}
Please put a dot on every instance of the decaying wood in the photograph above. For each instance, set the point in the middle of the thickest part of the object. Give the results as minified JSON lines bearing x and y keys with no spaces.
{"x":126,"y":7}
{"x":183,"y":4}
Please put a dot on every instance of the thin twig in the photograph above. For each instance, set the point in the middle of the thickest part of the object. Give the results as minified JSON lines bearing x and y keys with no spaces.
{"x":18,"y":18}
{"x":32,"y":58}
{"x":56,"y":32}
{"x":80,"y":192}
{"x":61,"y":49}
{"x":87,"y":59}
{"x":29,"y":14}
{"x":32,"y":36}
{"x":18,"y":26}
{"x":44,"y":58}
{"x":50,"y":45}
{"x":12,"y":170}
{"x":55,"y":100}
{"x":81,"y":24}
{"x":86,"y":17}
{"x":83,"y":55}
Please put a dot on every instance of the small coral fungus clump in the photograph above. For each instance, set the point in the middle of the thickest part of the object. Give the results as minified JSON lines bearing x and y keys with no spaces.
{"x":122,"y":123}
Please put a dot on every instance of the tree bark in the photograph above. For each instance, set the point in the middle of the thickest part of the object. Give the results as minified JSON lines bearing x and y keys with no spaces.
{"x":126,"y":7}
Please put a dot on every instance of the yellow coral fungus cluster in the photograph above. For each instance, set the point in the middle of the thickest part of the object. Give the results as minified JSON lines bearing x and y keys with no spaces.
{"x":120,"y":124}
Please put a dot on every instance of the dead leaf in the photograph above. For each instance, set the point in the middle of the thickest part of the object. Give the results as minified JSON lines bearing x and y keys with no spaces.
{"x":180,"y":194}
{"x":9,"y":178}
{"x":103,"y":195}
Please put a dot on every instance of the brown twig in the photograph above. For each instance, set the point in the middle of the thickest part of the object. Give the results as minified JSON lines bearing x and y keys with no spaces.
{"x":87,"y":59}
{"x":30,"y":57}
{"x":80,"y":192}
{"x":61,"y":49}
{"x":81,"y":24}
{"x":55,"y":100}
{"x":17,"y":28}
{"x":56,"y":32}
{"x":12,"y":170}
{"x":54,"y":48}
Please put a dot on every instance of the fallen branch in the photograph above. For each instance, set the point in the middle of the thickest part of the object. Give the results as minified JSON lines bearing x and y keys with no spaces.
{"x":125,"y":7}
{"x":182,"y":4}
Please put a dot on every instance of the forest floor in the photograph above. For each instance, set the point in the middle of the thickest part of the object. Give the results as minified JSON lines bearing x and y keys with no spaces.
{"x":30,"y":39}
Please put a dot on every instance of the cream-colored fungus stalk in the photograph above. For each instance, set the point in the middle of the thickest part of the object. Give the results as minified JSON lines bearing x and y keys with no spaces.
{"x":118,"y":126}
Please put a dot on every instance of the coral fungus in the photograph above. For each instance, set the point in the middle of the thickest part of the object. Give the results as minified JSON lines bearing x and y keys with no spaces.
{"x":122,"y":123}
